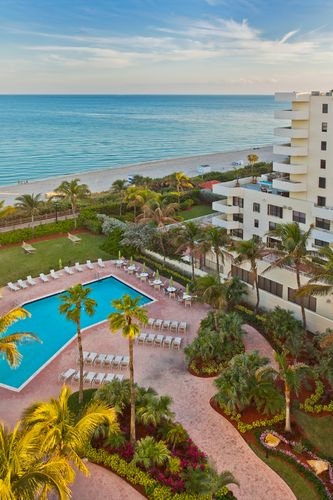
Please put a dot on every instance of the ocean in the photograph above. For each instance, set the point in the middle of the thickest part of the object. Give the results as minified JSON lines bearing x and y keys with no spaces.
{"x":48,"y":135}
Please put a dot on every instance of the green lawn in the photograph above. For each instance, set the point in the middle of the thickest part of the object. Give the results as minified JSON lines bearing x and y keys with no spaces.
{"x":16,"y":264}
{"x":196,"y":211}
{"x":318,"y":431}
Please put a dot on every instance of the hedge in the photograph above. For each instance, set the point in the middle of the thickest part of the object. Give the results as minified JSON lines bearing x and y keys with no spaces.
{"x":27,"y":233}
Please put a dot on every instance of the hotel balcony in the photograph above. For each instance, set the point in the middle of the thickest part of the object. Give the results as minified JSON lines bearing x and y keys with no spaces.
{"x":289,"y":150}
{"x":285,"y":184}
{"x":292,"y":96}
{"x":223,"y":207}
{"x":289,"y":114}
{"x":221,"y":221}
{"x":230,"y":188}
{"x":322,"y":234}
{"x":322,"y":212}
{"x":291,"y":133}
{"x":290,"y":168}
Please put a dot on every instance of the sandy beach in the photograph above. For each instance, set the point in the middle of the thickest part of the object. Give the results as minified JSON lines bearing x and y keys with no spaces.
{"x":101,"y":180}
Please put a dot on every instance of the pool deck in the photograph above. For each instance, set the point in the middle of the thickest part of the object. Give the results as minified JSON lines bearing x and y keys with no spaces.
{"x":162,"y":369}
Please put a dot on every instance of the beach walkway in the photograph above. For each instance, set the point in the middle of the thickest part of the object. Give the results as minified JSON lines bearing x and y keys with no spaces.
{"x":163,"y":369}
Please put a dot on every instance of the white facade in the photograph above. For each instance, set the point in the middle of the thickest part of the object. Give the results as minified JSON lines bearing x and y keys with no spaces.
{"x":300,"y":188}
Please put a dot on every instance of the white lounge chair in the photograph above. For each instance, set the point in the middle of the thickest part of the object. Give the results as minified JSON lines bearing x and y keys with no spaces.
{"x":158,"y":324}
{"x":76,"y":376}
{"x":89,"y":264}
{"x":116,"y":361}
{"x":78,"y":267}
{"x":100,"y":263}
{"x":124,"y":362}
{"x":43,"y":277}
{"x":54,"y":275}
{"x":119,"y":376}
{"x":73,"y":238}
{"x":66,"y":375}
{"x":150,"y":338}
{"x":141,"y":338}
{"x":166,"y":324}
{"x":167,"y":341}
{"x":85,"y":354}
{"x":158,"y":340}
{"x":99,"y":379}
{"x":174,"y":326}
{"x":177,"y":342}
{"x":22,"y":284}
{"x":88,"y":379}
{"x":13,"y":287}
{"x":91,"y":358}
{"x":99,"y":360}
{"x":182,"y":327}
{"x":28,"y":248}
{"x":108,"y":360}
{"x":109,"y":377}
{"x":68,"y":270}
{"x":151,"y":322}
{"x":31,"y":281}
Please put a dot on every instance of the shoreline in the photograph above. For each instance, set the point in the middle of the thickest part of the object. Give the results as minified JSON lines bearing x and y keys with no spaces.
{"x":101,"y":179}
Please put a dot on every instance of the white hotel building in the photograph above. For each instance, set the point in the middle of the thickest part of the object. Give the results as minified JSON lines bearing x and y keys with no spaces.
{"x":300,"y":189}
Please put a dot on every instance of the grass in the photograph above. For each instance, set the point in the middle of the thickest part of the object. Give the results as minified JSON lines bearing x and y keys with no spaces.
{"x":16,"y":264}
{"x":318,"y":431}
{"x":302,"y":488}
{"x":196,"y":211}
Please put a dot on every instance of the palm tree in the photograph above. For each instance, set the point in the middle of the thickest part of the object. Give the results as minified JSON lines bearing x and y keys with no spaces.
{"x":150,"y":452}
{"x":292,"y":375}
{"x":181,"y":182}
{"x":252,"y":159}
{"x":127,"y":312}
{"x":160,"y":215}
{"x":30,"y":203}
{"x":26,"y":471}
{"x":153,"y":409}
{"x":137,"y":196}
{"x":293,"y":251}
{"x":206,"y":481}
{"x":212,"y":291}
{"x":251,"y":251}
{"x":116,"y":394}
{"x":218,"y":238}
{"x":8,"y":343}
{"x":62,"y":433}
{"x":119,"y":188}
{"x":73,"y":301}
{"x":322,"y":273}
{"x":72,"y":191}
{"x":191,"y":237}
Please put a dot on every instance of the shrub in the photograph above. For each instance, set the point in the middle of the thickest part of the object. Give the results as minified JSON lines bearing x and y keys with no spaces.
{"x":18,"y":235}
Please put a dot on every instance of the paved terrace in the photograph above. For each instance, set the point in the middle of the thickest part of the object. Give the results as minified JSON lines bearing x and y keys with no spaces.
{"x":162,"y":369}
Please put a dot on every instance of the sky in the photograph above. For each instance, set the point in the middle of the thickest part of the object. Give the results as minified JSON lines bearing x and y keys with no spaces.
{"x":165,"y":46}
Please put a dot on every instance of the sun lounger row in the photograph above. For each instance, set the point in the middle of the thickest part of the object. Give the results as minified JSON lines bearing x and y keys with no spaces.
{"x":92,"y":378}
{"x":21,"y":284}
{"x":159,"y":340}
{"x":110,"y":360}
{"x":167,"y":325}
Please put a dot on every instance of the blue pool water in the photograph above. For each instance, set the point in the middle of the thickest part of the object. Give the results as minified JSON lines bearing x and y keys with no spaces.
{"x":55,"y":331}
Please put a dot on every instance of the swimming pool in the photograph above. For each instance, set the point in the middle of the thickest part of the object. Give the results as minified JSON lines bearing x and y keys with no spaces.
{"x":55,"y":331}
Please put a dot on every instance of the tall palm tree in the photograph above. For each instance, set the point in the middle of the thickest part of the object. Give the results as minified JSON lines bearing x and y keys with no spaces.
{"x":293,"y":252}
{"x":251,"y":251}
{"x":62,"y":433}
{"x":125,"y":318}
{"x":73,"y":301}
{"x":322,"y":274}
{"x":160,"y":215}
{"x":191,"y":237}
{"x":181,"y":182}
{"x":30,"y":203}
{"x":26,"y":471}
{"x":8,"y":343}
{"x":252,"y":159}
{"x":119,"y":188}
{"x":137,"y":196}
{"x":72,"y":191}
{"x":218,"y":238}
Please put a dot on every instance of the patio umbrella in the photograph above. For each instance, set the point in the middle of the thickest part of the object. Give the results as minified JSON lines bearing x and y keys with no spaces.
{"x":119,"y":255}
{"x":157,"y":275}
{"x":144,"y":267}
{"x":131,"y":261}
{"x":187,"y":289}
{"x":171,"y":281}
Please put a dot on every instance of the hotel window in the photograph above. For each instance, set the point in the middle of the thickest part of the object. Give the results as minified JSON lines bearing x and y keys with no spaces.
{"x":256,"y":223}
{"x":308,"y":302}
{"x":242,"y":274}
{"x":325,"y":108}
{"x":321,"y":201}
{"x":323,"y":145}
{"x":321,"y":243}
{"x":274,"y":210}
{"x":323,"y":223}
{"x":322,"y":182}
{"x":271,"y":226}
{"x":238,"y":233}
{"x":270,"y":286}
{"x":256,"y":238}
{"x":238,"y":202}
{"x":322,"y":163}
{"x":238,"y":217}
{"x":324,"y":127}
{"x":256,"y":207}
{"x":299,"y":217}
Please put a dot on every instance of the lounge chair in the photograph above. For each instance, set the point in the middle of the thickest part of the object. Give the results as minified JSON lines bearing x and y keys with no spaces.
{"x":28,"y":248}
{"x":158,"y":324}
{"x":167,"y":341}
{"x":151,"y":322}
{"x":100,"y":263}
{"x":99,"y":360}
{"x":99,"y":379}
{"x":124,"y":362}
{"x":182,"y":327}
{"x":73,"y":238}
{"x":141,"y":338}
{"x":68,"y":270}
{"x":108,"y":360}
{"x":166,"y":324}
{"x":54,"y":275}
{"x":78,"y":267}
{"x":109,"y":377}
{"x":43,"y":277}
{"x":158,"y":340}
{"x":116,"y":361}
{"x":13,"y":287}
{"x":31,"y":281}
{"x":150,"y":338}
{"x":174,"y":326}
{"x":89,"y":264}
{"x":66,"y":375}
{"x":119,"y":377}
{"x":88,"y":379}
{"x":177,"y":342}
{"x":91,"y":358}
{"x":76,"y":376}
{"x":22,"y":284}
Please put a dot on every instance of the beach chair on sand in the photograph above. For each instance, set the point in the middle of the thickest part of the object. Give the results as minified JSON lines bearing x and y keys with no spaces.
{"x":73,"y":238}
{"x":43,"y":277}
{"x":13,"y":287}
{"x":31,"y":281}
{"x":100,"y":263}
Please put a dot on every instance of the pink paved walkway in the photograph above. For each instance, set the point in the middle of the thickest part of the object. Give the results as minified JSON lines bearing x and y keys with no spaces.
{"x":164,"y":370}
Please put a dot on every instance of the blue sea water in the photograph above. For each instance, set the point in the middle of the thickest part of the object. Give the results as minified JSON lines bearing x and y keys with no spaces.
{"x":48,"y":135}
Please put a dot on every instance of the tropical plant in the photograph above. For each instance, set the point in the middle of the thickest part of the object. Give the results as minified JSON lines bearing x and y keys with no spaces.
{"x":152,"y":409}
{"x":9,"y":343}
{"x":137,"y":196}
{"x":221,"y":296}
{"x":251,"y":251}
{"x":149,"y":452}
{"x":116,"y":394}
{"x":321,"y":282}
{"x":173,"y":433}
{"x":124,"y":318}
{"x":293,"y":251}
{"x":191,"y":237}
{"x":252,"y":159}
{"x":286,"y":330}
{"x":181,"y":182}
{"x":248,"y":379}
{"x":62,"y":433}
{"x":73,"y":301}
{"x":206,"y":481}
{"x":26,"y":471}
{"x":219,"y":239}
{"x":4,"y":211}
{"x":30,"y":204}
{"x":119,"y":188}
{"x":72,"y":191}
